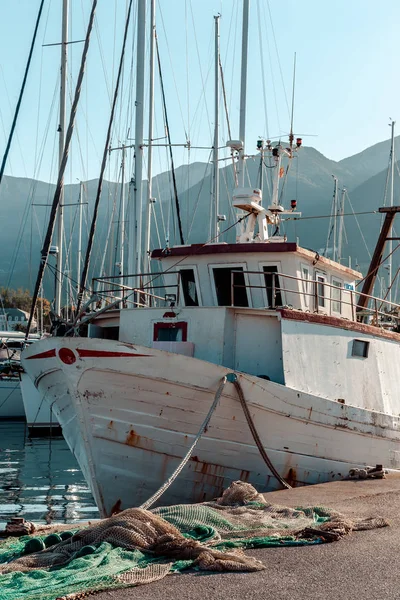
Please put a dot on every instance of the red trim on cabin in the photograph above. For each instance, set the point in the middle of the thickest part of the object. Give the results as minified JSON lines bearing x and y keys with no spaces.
{"x":47,"y":354}
{"x":175,"y":325}
{"x":225,"y":249}
{"x":257,"y":247}
{"x":339,"y":323}
{"x":105,"y":354}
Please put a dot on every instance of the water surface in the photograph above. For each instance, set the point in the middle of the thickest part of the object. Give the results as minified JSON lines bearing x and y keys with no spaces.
{"x":40,"y":479}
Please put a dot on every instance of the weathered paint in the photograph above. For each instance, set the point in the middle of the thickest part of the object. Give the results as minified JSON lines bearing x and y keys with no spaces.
{"x":308,"y":442}
{"x":317,"y":358}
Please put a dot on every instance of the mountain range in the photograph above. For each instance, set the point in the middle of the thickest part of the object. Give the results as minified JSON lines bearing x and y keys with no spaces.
{"x":24,"y":209}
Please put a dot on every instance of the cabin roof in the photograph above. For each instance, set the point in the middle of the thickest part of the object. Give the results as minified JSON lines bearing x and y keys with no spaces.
{"x":260,"y":247}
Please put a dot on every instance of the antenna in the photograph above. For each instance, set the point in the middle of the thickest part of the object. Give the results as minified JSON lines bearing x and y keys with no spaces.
{"x":291,"y":135}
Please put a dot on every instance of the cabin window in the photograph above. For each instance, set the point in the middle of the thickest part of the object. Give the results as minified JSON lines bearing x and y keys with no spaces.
{"x":305,"y":275}
{"x":226,"y":293}
{"x":336,"y":296}
{"x":320,"y":292}
{"x":170,"y":332}
{"x":360,"y":348}
{"x":272,"y":285}
{"x":110,"y":333}
{"x":189,"y":287}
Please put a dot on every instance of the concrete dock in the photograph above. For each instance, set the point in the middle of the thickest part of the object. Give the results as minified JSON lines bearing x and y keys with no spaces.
{"x":363,"y":565}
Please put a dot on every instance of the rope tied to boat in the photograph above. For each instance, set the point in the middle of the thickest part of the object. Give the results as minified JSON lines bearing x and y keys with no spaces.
{"x":189,"y":453}
{"x":233,"y":378}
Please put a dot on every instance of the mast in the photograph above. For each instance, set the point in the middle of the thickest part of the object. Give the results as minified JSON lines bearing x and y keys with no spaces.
{"x":61,"y":143}
{"x":243,"y":91}
{"x":341,"y":224}
{"x":216,"y":130}
{"x":334,"y":212}
{"x":79,"y":258}
{"x":392,"y":124}
{"x":135,"y":222}
{"x":122,"y":212}
{"x":151,"y":125}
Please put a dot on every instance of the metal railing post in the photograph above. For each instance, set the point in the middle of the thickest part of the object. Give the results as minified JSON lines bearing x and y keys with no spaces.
{"x":273,"y":291}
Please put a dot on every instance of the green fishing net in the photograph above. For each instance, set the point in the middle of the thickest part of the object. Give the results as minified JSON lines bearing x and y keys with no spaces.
{"x":216,"y":526}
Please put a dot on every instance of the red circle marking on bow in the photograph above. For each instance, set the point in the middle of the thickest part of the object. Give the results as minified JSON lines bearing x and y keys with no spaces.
{"x":67,"y":356}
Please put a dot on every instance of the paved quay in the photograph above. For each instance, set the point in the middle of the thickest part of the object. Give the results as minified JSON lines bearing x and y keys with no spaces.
{"x":362,"y":565}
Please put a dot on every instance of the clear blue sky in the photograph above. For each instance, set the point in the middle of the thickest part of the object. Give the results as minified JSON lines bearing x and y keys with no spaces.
{"x":347,"y":83}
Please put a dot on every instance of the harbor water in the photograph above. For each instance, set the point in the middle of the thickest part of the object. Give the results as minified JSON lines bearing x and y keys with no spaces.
{"x":40,"y":479}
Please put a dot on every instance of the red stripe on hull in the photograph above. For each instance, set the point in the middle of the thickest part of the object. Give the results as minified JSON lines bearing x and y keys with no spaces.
{"x":47,"y":354}
{"x":105,"y":354}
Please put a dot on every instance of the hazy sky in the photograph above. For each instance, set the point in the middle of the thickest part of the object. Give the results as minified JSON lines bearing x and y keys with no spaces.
{"x":347,"y":82}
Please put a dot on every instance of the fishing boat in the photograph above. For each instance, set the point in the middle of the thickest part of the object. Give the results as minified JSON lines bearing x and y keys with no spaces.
{"x":257,"y":360}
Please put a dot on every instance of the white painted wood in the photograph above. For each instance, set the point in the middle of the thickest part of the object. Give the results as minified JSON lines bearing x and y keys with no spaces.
{"x":129,"y":421}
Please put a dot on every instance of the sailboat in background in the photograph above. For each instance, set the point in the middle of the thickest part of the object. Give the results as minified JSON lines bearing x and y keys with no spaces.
{"x":261,"y":362}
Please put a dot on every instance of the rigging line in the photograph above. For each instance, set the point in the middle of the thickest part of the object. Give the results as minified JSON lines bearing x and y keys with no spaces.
{"x":272,"y":74}
{"x":173,"y":74}
{"x":103,"y":166}
{"x":358,"y":225}
{"x":103,"y":61}
{"x":227,"y":119}
{"x":17,"y":136}
{"x":352,"y":214}
{"x":40,"y":86}
{"x":178,"y":211}
{"x":29,"y":199}
{"x":178,"y":262}
{"x":389,"y":288}
{"x":260,"y":40}
{"x":60,"y":181}
{"x":198,"y":195}
{"x":331,"y":221}
{"x":21,"y":93}
{"x":284,"y":183}
{"x":379,"y":265}
{"x":200,"y":69}
{"x":277,"y":55}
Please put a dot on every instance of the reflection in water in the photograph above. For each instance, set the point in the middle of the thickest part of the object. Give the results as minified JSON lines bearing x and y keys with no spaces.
{"x":40,"y":479}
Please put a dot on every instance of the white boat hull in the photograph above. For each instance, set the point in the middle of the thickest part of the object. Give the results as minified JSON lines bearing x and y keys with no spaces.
{"x":38,"y":413}
{"x":130,"y":413}
{"x":11,"y":405}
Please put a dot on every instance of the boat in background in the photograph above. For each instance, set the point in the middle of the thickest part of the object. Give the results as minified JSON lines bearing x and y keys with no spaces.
{"x":19,"y":399}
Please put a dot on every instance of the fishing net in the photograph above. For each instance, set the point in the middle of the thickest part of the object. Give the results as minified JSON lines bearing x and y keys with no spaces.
{"x":140,"y":546}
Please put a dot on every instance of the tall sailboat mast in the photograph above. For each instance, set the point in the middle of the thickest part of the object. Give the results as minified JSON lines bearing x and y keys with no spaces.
{"x":79,"y":258}
{"x":135,"y":222}
{"x":151,"y":125}
{"x":215,"y":231}
{"x":61,"y":144}
{"x":243,"y":91}
{"x":390,"y":262}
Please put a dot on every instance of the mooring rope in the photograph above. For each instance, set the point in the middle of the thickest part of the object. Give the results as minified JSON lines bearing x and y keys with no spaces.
{"x":203,"y":429}
{"x":232,"y":377}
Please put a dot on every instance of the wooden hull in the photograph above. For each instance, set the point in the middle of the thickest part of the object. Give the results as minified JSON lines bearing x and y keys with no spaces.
{"x":130,"y":413}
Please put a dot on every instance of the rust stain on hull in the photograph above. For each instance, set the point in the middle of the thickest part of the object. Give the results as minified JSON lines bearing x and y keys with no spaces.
{"x":132,"y":439}
{"x":291,"y":477}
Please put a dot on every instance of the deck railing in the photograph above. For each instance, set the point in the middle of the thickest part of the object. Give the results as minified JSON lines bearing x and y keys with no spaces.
{"x":151,"y":290}
{"x":377,"y":312}
{"x":141,"y":290}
